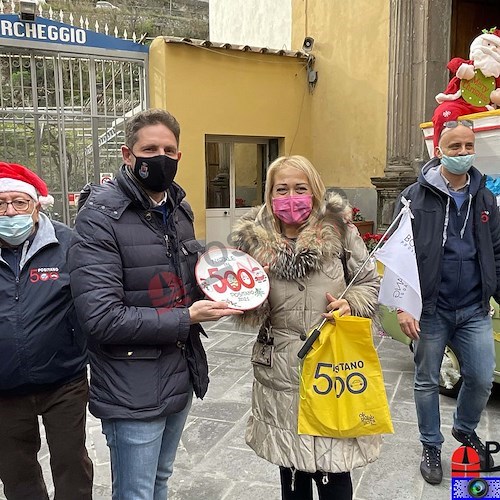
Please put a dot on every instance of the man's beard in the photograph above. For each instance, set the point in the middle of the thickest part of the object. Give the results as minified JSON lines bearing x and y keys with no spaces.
{"x":486,"y":60}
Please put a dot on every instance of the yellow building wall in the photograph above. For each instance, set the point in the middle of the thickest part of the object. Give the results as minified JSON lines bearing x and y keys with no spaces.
{"x":349,"y":104}
{"x":227,"y":92}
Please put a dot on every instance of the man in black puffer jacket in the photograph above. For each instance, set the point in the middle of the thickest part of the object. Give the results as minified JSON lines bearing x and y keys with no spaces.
{"x":456,"y":230}
{"x":132,"y":276}
{"x":43,"y":360}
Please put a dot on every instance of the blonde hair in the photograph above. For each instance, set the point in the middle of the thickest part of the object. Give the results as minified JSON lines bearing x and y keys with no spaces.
{"x":301,"y":163}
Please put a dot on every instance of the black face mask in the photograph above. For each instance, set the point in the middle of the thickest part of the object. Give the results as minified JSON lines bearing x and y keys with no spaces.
{"x":155,"y":173}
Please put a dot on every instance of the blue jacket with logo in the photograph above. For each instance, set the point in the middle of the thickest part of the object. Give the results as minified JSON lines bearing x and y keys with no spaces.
{"x":457,"y":247}
{"x":41,"y":343}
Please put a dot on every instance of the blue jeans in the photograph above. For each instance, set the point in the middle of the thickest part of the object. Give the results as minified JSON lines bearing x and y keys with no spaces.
{"x":143,"y":453}
{"x":470,"y":333}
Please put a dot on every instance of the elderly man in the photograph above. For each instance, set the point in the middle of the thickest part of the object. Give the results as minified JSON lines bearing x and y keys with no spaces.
{"x":132,"y":275}
{"x":457,"y":242}
{"x":42,"y":351}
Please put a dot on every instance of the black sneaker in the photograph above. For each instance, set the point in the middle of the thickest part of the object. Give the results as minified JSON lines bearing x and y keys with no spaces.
{"x":474,"y":442}
{"x":430,"y":466}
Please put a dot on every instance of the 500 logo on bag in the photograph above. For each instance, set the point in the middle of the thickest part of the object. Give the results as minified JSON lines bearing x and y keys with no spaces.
{"x":343,"y":399}
{"x":355,"y":382}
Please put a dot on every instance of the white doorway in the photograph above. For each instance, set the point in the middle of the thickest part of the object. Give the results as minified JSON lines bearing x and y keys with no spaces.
{"x":235,"y":175}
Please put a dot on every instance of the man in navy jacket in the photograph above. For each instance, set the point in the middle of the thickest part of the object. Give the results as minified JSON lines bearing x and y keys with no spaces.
{"x":456,"y":230}
{"x":132,"y":274}
{"x":42,"y":350}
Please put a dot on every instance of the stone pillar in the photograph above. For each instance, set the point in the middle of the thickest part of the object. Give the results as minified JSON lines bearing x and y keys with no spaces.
{"x":419,"y":52}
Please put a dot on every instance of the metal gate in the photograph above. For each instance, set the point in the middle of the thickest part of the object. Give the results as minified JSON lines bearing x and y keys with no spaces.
{"x":63,"y":109}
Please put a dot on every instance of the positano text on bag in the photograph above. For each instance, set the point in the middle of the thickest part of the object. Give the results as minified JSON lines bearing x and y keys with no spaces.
{"x":342,"y":393}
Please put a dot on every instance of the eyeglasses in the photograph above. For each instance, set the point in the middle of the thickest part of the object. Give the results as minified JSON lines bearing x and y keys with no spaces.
{"x":18,"y":205}
{"x":456,"y":123}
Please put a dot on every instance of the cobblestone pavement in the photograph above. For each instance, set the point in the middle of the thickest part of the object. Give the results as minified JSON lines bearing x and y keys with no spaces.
{"x":214,"y":463}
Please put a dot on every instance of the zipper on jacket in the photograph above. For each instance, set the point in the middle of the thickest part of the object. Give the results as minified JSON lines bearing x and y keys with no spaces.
{"x":17,"y":288}
{"x":172,"y":242}
{"x":18,"y":256}
{"x":167,"y":242}
{"x":292,"y":486}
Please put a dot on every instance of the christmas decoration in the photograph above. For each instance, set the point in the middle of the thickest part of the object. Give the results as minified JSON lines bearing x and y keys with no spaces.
{"x":476,"y":84}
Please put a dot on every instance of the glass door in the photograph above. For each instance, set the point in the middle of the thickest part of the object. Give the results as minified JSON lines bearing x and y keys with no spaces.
{"x":235,"y":176}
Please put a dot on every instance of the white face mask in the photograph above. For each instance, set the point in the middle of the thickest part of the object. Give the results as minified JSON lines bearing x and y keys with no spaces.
{"x":457,"y":164}
{"x":16,"y":229}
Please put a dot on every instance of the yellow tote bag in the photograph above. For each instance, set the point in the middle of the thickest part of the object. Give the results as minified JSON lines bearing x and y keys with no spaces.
{"x":342,"y":393}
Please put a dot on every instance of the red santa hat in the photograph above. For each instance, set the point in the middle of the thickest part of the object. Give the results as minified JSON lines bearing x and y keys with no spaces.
{"x":14,"y":177}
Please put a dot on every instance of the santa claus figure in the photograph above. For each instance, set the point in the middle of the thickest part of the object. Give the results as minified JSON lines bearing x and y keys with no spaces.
{"x":476,"y":84}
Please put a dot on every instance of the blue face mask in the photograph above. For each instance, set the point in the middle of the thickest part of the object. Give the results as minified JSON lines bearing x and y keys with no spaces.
{"x":457,"y":164}
{"x":15,"y":229}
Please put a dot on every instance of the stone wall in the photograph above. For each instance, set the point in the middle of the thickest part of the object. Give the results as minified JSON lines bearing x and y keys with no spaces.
{"x":185,"y":18}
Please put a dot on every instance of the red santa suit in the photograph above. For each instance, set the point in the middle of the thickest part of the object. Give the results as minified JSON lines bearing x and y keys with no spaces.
{"x":469,"y":91}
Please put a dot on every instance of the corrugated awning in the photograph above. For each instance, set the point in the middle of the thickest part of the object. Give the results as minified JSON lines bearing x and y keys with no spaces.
{"x":230,"y":46}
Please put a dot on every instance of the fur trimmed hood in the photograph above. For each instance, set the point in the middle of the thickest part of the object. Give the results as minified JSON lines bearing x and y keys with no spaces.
{"x":256,"y":235}
{"x":328,"y":238}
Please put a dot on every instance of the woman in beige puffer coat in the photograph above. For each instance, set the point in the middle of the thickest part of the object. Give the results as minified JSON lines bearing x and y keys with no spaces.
{"x":306,"y":241}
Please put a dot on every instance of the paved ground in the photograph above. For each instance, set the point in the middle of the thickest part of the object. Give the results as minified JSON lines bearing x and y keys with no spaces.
{"x":214,"y":463}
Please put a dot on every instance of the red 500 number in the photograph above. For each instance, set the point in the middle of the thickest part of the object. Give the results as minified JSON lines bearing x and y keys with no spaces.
{"x":230,"y":279}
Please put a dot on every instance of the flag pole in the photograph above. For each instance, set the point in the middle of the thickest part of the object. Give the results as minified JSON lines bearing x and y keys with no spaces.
{"x":315,"y":333}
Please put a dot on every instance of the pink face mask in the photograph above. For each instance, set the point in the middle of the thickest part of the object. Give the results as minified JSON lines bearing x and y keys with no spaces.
{"x":293,"y":209}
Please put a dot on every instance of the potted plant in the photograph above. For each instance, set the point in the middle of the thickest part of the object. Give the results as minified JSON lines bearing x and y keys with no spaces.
{"x":364,"y":226}
{"x":371,"y":240}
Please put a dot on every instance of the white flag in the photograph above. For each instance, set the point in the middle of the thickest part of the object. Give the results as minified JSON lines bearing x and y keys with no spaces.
{"x":400,"y":286}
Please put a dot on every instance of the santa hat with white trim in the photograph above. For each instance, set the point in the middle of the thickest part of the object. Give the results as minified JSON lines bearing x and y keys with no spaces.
{"x":14,"y":177}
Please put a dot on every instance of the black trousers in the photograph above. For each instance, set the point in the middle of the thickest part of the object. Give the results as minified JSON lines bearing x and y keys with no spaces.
{"x":297,"y":485}
{"x":63,"y":412}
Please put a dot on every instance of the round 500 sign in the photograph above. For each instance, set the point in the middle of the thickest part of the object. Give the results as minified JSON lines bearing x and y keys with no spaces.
{"x":232,"y":276}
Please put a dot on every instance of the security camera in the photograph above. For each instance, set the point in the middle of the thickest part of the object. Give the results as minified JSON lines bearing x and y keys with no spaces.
{"x":308,"y":44}
{"x":27,"y":10}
